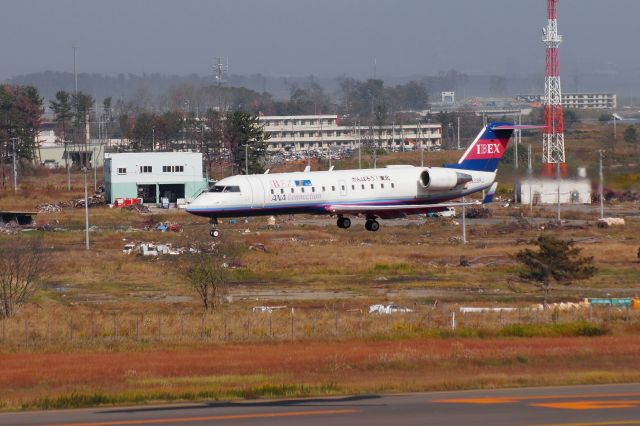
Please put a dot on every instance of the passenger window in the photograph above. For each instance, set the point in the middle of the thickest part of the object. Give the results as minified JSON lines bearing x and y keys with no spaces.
{"x":323,"y":189}
{"x":382,"y":185}
{"x":393,"y":185}
{"x":362,"y":186}
{"x":371,"y":186}
{"x":343,"y":187}
{"x":313,"y":189}
{"x":292,"y":190}
{"x":272,"y":192}
{"x":353,"y":187}
{"x":282,"y":190}
{"x":301,"y":189}
{"x":333,"y":188}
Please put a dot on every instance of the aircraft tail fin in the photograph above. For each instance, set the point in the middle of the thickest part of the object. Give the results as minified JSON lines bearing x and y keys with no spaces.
{"x":487,"y":149}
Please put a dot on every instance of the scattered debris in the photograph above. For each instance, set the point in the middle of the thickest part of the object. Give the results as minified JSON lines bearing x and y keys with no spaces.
{"x":258,"y":246}
{"x":489,"y":260}
{"x":268,"y":309}
{"x":606,"y":222}
{"x":156,"y":249}
{"x":51,"y":207}
{"x":477,"y":212}
{"x":166,"y":226}
{"x":388,"y":309}
{"x":94,"y":201}
{"x":140,"y":208}
{"x":470,"y":309}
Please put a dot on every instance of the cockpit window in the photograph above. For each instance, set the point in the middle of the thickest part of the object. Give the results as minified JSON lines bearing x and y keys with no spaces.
{"x":220,"y":188}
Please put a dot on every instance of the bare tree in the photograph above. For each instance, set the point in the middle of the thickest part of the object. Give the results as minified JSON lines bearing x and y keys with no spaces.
{"x":208,"y":273}
{"x":22,"y":263}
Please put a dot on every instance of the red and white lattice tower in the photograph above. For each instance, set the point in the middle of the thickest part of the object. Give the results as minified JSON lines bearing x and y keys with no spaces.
{"x":553,"y":132}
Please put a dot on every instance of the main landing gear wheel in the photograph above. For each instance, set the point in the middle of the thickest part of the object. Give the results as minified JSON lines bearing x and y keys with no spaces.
{"x":344,"y":222}
{"x":214,"y":233}
{"x":372,"y":225}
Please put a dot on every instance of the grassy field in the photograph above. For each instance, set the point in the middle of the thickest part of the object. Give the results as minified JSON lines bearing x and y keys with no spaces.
{"x":106,"y":327}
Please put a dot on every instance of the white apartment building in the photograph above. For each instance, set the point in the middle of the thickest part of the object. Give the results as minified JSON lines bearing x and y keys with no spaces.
{"x":299,"y":133}
{"x":579,"y":100}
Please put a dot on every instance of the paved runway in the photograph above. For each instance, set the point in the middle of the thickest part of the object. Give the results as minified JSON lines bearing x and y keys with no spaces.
{"x":558,"y":406}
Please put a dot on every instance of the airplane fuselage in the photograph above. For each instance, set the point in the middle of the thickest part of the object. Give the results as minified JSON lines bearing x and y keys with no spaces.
{"x":315,"y":192}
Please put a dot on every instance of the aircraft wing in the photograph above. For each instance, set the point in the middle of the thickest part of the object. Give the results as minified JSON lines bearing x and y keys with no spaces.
{"x":384,"y":210}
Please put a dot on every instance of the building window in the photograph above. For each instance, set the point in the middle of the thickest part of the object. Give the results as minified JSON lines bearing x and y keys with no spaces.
{"x":122,"y":170}
{"x":172,"y":169}
{"x":146,"y":169}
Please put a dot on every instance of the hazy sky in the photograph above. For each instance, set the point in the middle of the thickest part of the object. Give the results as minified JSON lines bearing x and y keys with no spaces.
{"x":302,"y":37}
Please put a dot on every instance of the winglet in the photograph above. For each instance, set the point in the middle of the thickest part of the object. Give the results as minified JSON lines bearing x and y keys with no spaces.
{"x":492,"y":191}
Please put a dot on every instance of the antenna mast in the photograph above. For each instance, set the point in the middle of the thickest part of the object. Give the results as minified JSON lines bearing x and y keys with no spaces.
{"x":221,"y":68}
{"x":553,"y":132}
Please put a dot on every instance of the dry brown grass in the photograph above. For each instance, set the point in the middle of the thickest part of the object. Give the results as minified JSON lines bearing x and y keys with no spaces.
{"x":38,"y":379}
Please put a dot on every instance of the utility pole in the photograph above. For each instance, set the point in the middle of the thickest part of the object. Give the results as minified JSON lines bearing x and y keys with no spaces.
{"x":464,"y":222}
{"x":95,"y":172}
{"x":601,"y":186}
{"x":530,"y":175}
{"x":66,"y":163}
{"x":86,"y":208}
{"x":558,"y":179}
{"x":75,"y":75}
{"x":15,"y":170}
{"x":359,"y":148}
{"x":246,"y":159}
{"x":458,"y":133}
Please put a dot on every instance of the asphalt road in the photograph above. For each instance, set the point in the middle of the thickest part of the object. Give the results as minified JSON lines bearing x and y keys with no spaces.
{"x":558,"y":406}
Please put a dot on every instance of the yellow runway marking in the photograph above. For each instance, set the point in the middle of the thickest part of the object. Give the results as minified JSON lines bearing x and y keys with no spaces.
{"x":611,"y":423}
{"x":587,"y":405}
{"x":513,"y":399}
{"x":211,"y":418}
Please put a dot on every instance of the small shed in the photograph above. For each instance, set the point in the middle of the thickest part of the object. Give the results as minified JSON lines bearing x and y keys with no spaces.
{"x":546,"y":191}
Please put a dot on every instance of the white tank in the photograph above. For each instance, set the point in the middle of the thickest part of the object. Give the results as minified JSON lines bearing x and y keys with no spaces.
{"x":582,"y":172}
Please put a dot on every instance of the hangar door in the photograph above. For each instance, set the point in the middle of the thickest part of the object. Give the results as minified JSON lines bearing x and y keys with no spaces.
{"x":172,"y":191}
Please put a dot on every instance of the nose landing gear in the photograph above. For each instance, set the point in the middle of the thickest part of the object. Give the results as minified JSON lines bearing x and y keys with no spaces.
{"x":214,"y":232}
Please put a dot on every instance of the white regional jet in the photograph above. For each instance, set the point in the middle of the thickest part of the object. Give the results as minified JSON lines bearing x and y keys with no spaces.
{"x":385,"y":193}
